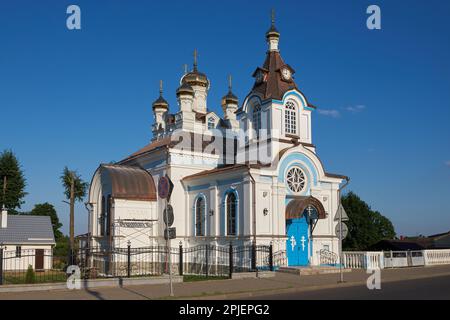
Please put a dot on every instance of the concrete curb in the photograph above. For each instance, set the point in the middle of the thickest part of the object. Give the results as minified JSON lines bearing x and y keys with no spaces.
{"x":253,"y":275}
{"x":90,"y":284}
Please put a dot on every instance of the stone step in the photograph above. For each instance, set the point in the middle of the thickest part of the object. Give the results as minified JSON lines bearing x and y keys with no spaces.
{"x":305,"y":271}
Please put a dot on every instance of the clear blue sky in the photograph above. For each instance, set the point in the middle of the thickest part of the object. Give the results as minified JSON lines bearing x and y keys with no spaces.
{"x":79,"y":98}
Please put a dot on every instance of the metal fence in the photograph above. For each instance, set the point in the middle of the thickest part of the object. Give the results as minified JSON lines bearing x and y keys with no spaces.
{"x":39,"y":266}
{"x":31,"y":266}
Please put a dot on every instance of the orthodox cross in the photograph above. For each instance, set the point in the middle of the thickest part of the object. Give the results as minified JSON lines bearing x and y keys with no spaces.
{"x":195,"y":59}
{"x":303,"y":243}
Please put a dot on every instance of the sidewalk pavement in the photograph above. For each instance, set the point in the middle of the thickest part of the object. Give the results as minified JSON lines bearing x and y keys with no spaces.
{"x":231,"y":289}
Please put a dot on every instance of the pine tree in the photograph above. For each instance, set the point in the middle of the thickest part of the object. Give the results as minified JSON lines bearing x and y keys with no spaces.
{"x":13,"y":182}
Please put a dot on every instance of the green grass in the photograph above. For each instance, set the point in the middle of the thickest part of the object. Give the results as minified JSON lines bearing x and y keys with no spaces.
{"x":194,"y":278}
{"x":40,"y":277}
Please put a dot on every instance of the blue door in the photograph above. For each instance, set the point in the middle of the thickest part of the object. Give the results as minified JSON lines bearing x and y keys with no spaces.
{"x":297,"y":247}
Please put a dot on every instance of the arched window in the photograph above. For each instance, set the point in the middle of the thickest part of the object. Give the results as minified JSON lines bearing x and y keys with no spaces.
{"x":108,"y":215}
{"x":211,"y":123}
{"x":257,"y":119}
{"x":102,"y":216}
{"x":231,"y":211}
{"x":200,"y":215}
{"x":290,"y":118}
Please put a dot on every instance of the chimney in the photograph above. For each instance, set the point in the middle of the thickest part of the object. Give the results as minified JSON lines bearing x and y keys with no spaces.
{"x":4,"y":222}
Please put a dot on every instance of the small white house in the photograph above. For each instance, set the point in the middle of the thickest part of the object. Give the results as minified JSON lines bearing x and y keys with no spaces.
{"x":26,"y":240}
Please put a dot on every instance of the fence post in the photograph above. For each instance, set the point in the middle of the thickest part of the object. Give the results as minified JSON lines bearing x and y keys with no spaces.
{"x":254,"y":256}
{"x":271,"y":257}
{"x":1,"y":266}
{"x":180,"y":264}
{"x":207,"y":260}
{"x":128,"y":260}
{"x":230,"y":252}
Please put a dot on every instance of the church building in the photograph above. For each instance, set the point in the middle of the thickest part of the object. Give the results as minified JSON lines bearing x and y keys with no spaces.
{"x":251,"y":175}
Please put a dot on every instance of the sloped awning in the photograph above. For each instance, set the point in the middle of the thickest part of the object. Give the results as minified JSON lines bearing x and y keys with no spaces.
{"x":295,"y":208}
{"x":131,"y":183}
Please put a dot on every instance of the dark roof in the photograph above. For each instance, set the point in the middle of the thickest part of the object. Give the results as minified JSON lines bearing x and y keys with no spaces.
{"x":296,"y":207}
{"x":182,"y":140}
{"x":149,"y":148}
{"x":215,"y":171}
{"x":131,"y":183}
{"x":399,"y":245}
{"x":27,"y":229}
{"x":274,"y":87}
{"x":439,"y":235}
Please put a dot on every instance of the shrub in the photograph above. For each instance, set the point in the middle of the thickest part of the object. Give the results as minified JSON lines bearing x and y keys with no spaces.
{"x":30,"y":276}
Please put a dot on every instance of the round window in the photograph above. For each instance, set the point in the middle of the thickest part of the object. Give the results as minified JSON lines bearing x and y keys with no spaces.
{"x":295,"y":179}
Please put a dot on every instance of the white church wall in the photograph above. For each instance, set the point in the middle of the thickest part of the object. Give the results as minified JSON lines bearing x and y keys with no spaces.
{"x":141,"y":232}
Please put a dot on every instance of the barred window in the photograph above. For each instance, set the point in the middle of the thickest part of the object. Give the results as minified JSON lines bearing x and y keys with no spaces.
{"x":211,"y":123}
{"x":108,"y":215}
{"x":231,"y":210}
{"x":200,"y":217}
{"x":102,"y":216}
{"x":257,"y":119}
{"x":18,"y":251}
{"x":290,"y":118}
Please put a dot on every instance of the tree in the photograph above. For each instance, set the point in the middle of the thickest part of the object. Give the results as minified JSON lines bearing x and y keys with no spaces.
{"x":46,"y":209}
{"x":366,"y":227}
{"x":12,"y":181}
{"x":74,"y":190}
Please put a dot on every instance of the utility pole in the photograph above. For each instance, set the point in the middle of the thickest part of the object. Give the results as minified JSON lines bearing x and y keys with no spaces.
{"x":168,"y":249}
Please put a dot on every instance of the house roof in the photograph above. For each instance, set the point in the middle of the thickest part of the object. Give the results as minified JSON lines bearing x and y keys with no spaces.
{"x":27,"y":229}
{"x":397,"y":245}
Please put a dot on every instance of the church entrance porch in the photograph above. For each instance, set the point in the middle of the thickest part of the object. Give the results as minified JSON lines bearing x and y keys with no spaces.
{"x":302,"y":214}
{"x":297,"y":244}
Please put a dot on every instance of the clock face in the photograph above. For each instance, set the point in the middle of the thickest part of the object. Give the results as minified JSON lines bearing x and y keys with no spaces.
{"x":286,"y":73}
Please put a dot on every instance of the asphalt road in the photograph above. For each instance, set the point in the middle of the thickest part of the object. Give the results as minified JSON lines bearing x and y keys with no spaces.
{"x":437,"y":288}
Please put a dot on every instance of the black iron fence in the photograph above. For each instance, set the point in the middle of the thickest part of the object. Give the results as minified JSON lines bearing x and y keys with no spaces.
{"x":31,"y":266}
{"x":40,"y":266}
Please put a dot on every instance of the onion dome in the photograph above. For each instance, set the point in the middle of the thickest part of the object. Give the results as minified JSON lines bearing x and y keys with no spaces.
{"x":195,"y":78}
{"x":185,"y":89}
{"x":230,"y":98}
{"x":160,"y":102}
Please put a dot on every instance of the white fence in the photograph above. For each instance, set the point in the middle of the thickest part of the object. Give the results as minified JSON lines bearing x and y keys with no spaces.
{"x":435,"y":257}
{"x":363,"y":260}
{"x":395,"y":259}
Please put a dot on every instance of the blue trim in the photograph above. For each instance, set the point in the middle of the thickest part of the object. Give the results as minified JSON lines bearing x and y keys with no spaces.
{"x":225,"y":182}
{"x":154,"y":164}
{"x":302,"y":161}
{"x":197,"y":188}
{"x":294,"y":93}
